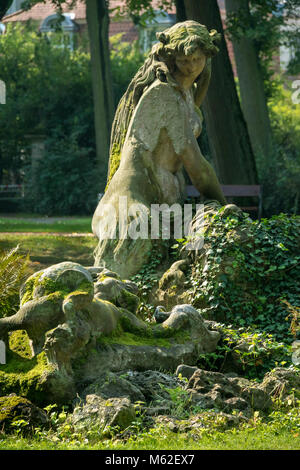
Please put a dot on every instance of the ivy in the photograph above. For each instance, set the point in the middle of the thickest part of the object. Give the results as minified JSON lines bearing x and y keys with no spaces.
{"x":248,"y":273}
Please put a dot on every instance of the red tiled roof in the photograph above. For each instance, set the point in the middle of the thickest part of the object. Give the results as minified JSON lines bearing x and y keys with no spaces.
{"x":127,"y":27}
{"x":40,"y":11}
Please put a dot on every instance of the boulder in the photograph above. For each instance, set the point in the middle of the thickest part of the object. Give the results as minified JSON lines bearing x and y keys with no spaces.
{"x":99,"y":413}
{"x":18,"y":411}
{"x":282,"y":383}
{"x":215,"y":390}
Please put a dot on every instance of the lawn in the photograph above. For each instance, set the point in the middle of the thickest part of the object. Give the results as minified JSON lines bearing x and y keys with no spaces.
{"x":260,"y":437}
{"x":72,"y":241}
{"x":50,"y":240}
{"x":30,"y":223}
{"x":45,"y":250}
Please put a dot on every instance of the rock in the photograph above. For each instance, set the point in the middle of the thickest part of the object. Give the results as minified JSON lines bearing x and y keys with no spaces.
{"x":85,"y":330}
{"x":62,"y":277}
{"x":100,"y":413}
{"x":186,"y":317}
{"x":171,"y":287}
{"x":114,"y":386}
{"x":216,"y":390}
{"x":152,"y":384}
{"x":14,"y":408}
{"x":281,"y":383}
{"x":120,"y":293}
{"x":160,"y":315}
{"x":185,"y":371}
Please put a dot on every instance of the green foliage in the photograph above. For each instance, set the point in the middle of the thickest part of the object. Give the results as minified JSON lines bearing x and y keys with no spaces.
{"x":13,"y":270}
{"x":147,"y":279}
{"x":126,"y":58}
{"x":264,"y":23}
{"x":49,"y":94}
{"x":250,"y":269}
{"x":48,"y":89}
{"x":65,"y":180}
{"x":281,"y":180}
{"x":247,"y":350}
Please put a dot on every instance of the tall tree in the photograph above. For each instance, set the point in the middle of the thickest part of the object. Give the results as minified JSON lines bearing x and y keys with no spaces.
{"x":251,"y":82}
{"x":226,"y":127}
{"x":98,"y":23}
{"x":5,"y":4}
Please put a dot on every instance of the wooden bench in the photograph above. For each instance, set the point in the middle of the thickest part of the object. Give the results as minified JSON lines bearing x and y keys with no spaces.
{"x":236,"y":190}
{"x":9,"y":192}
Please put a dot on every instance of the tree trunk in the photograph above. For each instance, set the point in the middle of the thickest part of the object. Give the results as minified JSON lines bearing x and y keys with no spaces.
{"x":5,"y":5}
{"x":230,"y":144}
{"x":98,"y":22}
{"x":180,"y":11}
{"x":253,"y":98}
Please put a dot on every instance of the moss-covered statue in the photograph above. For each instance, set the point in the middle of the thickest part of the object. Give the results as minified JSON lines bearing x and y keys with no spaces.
{"x":81,"y":323}
{"x":153,"y":138}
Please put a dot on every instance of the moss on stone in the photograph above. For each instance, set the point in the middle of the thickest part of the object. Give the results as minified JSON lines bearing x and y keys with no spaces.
{"x":19,"y":343}
{"x":115,"y":157}
{"x":8,"y":406}
{"x":152,"y":335}
{"x":23,"y":375}
{"x":128,"y":300}
{"x":29,"y":286}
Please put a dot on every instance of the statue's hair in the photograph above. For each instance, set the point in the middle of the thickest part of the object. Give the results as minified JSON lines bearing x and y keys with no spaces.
{"x":182,"y":38}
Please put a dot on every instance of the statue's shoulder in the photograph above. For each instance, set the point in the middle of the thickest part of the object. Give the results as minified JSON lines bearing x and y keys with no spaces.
{"x":160,"y":90}
{"x":160,"y":107}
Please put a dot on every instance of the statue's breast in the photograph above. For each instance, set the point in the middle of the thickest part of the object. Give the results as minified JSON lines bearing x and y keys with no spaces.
{"x":194,"y":113}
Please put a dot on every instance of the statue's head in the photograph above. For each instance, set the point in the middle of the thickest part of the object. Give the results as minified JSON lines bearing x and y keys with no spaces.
{"x":185,"y":39}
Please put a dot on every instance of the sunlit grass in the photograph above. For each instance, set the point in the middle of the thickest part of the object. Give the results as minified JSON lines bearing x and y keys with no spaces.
{"x":29,"y":223}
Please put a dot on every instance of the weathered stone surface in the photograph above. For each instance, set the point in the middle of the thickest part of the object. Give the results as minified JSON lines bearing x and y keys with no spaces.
{"x":216,"y":390}
{"x":120,"y":293}
{"x":185,"y":371}
{"x":282,"y":383}
{"x":112,"y":385}
{"x":14,"y":408}
{"x":99,"y":413}
{"x":62,"y":277}
{"x":84,"y":335}
{"x":147,"y":139}
{"x":152,"y":384}
{"x":171,"y":289}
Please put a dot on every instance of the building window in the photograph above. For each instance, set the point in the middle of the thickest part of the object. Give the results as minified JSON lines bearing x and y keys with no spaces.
{"x":60,"y":31}
{"x":147,"y":34}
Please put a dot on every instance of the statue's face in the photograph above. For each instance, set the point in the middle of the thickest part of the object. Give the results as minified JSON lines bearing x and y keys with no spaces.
{"x":191,"y":65}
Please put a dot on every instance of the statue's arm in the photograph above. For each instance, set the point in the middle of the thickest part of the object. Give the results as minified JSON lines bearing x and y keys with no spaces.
{"x":200,"y":171}
{"x":202,"y":84}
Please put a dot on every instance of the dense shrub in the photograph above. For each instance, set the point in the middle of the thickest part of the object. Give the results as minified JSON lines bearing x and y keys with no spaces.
{"x":251,"y":275}
{"x":49,"y":93}
{"x":281,"y":180}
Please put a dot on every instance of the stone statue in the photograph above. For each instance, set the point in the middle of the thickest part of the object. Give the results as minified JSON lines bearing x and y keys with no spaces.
{"x":79,"y":323}
{"x":153,"y":138}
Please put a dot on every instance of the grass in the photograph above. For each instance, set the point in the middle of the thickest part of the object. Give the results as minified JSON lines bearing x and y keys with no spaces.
{"x":45,"y":250}
{"x":33,"y":223}
{"x":260,"y":437}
